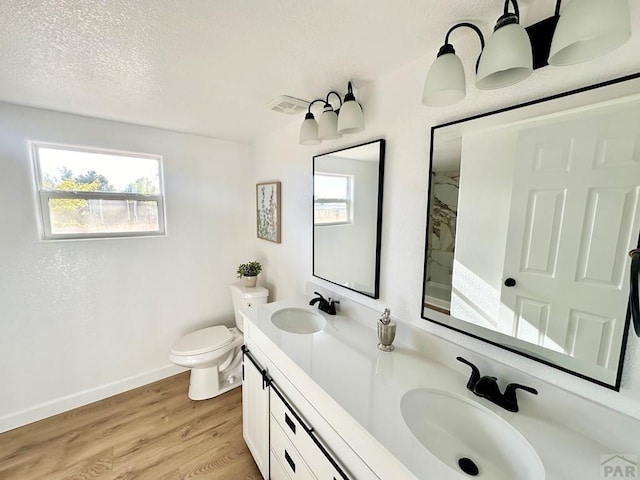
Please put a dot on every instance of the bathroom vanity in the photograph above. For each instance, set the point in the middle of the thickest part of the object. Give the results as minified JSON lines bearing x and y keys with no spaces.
{"x":287,"y":434}
{"x":328,"y":404}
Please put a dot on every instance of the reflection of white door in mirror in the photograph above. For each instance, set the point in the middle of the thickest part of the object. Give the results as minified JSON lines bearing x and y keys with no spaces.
{"x":551,"y":201}
{"x":575,"y":192}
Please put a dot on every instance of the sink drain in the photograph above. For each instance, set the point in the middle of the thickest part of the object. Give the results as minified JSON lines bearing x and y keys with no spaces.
{"x":468,"y":466}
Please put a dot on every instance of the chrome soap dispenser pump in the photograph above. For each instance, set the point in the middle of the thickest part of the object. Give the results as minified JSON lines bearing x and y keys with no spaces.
{"x":386,"y":331}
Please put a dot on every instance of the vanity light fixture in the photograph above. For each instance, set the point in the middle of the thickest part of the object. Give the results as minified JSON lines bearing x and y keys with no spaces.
{"x":588,"y":29}
{"x":309,"y":128}
{"x":351,"y":118}
{"x":328,"y":126}
{"x":582,"y":31}
{"x":507,"y":58}
{"x":346,"y":119}
{"x":446,"y":83}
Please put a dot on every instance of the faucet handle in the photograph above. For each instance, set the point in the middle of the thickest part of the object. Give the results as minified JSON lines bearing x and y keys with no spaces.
{"x":510,"y":398}
{"x":475,"y":374}
{"x":317,"y":299}
{"x":332,"y":306}
{"x":512,"y":387}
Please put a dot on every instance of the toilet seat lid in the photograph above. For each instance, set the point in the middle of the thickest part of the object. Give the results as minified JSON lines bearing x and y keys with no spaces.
{"x":202,"y":341}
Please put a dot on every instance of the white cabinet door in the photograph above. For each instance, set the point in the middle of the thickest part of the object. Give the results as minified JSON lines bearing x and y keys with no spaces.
{"x":575,"y":204}
{"x":255,"y":412}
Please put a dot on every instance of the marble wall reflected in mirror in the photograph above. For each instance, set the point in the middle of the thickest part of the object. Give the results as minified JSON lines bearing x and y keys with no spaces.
{"x":347,"y":217}
{"x":445,"y":183}
{"x":532,"y":212}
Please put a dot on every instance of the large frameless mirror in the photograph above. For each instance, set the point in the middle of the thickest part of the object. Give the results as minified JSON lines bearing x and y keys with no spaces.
{"x":532,"y":213}
{"x":347,"y":217}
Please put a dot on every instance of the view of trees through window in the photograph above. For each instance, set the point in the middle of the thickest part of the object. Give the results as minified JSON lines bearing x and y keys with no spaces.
{"x":89,"y":192}
{"x":91,"y":181}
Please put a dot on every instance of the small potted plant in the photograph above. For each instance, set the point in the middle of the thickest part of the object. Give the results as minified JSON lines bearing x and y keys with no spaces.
{"x":249,"y":273}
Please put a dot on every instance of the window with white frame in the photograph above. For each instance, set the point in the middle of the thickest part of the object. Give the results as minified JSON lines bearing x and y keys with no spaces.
{"x":94,"y":193}
{"x":332,"y":199}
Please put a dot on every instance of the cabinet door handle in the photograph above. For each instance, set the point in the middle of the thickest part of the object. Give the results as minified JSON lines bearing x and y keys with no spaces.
{"x":290,"y":423}
{"x":290,"y":461}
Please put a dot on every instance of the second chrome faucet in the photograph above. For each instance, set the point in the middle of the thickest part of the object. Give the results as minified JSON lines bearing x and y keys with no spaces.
{"x":487,"y":387}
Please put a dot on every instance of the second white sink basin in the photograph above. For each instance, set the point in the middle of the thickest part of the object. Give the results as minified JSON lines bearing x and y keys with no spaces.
{"x":298,"y":320}
{"x":468,"y":437}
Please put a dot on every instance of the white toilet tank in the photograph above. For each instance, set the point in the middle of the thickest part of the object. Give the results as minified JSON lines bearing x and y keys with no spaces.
{"x":245,"y":298}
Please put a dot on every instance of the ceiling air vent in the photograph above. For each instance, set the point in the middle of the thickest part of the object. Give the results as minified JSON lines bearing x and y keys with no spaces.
{"x":288,"y":105}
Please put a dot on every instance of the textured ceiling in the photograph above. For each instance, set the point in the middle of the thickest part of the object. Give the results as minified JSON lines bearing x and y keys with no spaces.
{"x":209,"y":66}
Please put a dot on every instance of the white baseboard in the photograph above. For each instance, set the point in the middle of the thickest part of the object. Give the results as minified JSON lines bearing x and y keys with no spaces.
{"x":69,"y":402}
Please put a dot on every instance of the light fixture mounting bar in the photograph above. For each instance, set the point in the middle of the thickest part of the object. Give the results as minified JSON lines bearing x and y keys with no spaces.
{"x":541,"y":34}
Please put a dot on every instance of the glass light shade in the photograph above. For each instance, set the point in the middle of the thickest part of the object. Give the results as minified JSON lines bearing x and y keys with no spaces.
{"x":588,"y":29}
{"x":506,"y":59}
{"x":445,"y":83}
{"x":351,"y":118}
{"x":309,"y":131}
{"x":328,"y":126}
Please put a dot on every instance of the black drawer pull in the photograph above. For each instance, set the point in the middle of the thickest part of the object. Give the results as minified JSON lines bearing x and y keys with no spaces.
{"x":290,"y":461}
{"x":289,"y":422}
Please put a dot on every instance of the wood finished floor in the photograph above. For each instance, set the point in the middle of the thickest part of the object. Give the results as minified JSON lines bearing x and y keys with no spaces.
{"x":151,"y":433}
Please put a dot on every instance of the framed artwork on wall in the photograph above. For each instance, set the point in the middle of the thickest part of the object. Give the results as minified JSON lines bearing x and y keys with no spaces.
{"x":268,"y":211}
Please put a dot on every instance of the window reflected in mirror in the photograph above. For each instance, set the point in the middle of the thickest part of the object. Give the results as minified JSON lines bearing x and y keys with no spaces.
{"x":347,"y":217}
{"x":332,"y":199}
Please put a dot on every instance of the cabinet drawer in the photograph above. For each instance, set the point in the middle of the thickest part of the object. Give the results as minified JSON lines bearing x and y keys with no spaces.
{"x":288,"y":420}
{"x":291,"y":424}
{"x":277,"y":471}
{"x":285,"y":453}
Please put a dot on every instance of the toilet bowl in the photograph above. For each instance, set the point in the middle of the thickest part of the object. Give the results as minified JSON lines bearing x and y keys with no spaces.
{"x":214,"y":354}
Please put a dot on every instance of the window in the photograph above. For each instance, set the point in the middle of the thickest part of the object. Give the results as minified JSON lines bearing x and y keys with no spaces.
{"x":332,"y":199}
{"x":91,"y":193}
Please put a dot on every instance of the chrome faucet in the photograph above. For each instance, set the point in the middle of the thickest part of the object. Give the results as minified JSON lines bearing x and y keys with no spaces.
{"x":325,"y":304}
{"x":487,"y":387}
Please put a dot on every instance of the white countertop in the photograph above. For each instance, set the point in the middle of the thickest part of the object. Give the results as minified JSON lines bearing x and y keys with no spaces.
{"x":368,"y":384}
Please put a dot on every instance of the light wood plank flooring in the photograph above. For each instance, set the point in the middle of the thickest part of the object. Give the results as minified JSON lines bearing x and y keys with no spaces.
{"x":151,"y":433}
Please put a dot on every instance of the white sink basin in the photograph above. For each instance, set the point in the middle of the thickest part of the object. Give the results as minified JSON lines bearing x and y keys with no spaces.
{"x":462,"y":433}
{"x":298,"y":320}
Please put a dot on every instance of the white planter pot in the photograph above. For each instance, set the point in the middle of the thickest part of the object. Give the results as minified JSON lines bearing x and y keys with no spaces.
{"x":250,"y":281}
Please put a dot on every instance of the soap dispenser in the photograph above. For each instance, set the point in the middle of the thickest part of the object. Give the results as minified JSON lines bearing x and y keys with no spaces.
{"x":386,"y":331}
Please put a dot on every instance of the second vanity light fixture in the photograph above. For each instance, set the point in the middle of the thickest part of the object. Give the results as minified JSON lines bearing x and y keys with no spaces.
{"x":347,"y":118}
{"x":586,"y":29}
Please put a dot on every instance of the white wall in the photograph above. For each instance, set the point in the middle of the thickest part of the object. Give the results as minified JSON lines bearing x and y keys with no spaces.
{"x":81,"y":320}
{"x":393,"y":111}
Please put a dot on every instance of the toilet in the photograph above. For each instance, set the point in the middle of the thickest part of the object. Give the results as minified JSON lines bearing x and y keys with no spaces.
{"x":214,"y":354}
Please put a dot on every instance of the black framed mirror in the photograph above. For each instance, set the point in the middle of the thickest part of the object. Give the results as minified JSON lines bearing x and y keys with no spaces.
{"x":532,"y":212}
{"x":347,"y":216}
